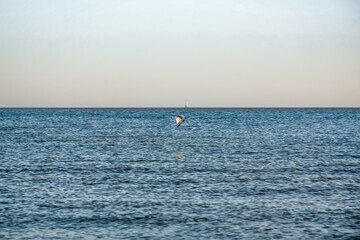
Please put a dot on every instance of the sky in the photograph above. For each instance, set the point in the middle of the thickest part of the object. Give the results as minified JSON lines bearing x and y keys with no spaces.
{"x":160,"y":53}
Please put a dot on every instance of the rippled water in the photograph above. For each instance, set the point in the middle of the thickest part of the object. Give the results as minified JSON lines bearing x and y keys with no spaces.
{"x":223,"y":174}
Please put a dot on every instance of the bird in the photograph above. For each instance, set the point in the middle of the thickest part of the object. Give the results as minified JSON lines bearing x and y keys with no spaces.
{"x":179,"y":119}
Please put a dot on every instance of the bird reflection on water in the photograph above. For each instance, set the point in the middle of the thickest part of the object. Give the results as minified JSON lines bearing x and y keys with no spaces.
{"x":177,"y":153}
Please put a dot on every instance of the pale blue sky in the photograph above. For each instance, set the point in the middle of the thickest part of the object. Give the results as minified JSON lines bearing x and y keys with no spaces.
{"x":135,"y":53}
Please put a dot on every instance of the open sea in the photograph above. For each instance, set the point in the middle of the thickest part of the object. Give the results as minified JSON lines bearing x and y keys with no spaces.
{"x":223,"y":174}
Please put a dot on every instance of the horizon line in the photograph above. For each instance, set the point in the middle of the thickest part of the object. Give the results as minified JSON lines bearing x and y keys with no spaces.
{"x":259,"y":107}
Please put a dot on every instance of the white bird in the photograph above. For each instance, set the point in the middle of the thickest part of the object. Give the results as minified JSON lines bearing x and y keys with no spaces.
{"x":179,"y":119}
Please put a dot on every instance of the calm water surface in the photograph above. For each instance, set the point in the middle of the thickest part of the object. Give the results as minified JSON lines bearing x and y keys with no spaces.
{"x":223,"y":174}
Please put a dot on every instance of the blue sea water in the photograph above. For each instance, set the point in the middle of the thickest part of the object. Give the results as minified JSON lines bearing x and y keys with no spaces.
{"x":223,"y":174}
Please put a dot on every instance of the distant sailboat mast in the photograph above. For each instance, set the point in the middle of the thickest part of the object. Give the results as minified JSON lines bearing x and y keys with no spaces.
{"x":186,"y":104}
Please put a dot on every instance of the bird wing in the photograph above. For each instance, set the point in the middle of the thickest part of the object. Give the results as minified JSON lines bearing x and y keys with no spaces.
{"x":182,"y":117}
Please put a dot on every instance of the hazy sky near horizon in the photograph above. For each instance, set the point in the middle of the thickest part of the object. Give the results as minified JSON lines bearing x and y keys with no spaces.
{"x":158,"y":53}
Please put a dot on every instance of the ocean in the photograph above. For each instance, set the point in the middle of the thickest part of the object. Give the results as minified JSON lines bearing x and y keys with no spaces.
{"x":226,"y":173}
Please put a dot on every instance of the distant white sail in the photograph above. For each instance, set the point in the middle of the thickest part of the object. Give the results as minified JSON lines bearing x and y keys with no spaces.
{"x":186,"y":104}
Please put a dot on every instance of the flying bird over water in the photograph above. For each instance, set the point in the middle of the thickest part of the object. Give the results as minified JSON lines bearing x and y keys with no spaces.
{"x":179,"y":119}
